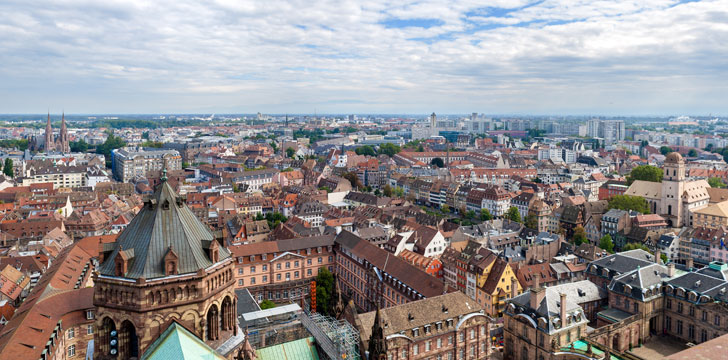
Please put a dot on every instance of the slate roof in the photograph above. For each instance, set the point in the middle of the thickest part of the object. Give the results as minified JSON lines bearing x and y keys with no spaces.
{"x":165,"y":222}
{"x":642,"y":283}
{"x":623,"y":262}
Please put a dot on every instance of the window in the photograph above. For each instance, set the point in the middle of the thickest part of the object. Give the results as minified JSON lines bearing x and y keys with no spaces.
{"x":288,"y":264}
{"x":668,"y":323}
{"x":462,"y":336}
{"x":692,"y":311}
{"x":669,"y":304}
{"x":278,"y":266}
{"x":89,"y":314}
{"x":308,"y":272}
{"x":635,"y":306}
{"x":679,"y":307}
{"x":716,"y":320}
{"x":308,"y":262}
{"x":295,"y":263}
{"x":240,"y":271}
{"x":679,"y":327}
{"x":252,"y":258}
{"x":252,"y":280}
{"x":404,"y":353}
{"x":449,"y":340}
{"x":252,"y":269}
{"x":416,"y":332}
{"x":472,"y":334}
{"x":320,"y":260}
{"x":72,"y":350}
{"x":265,"y":278}
{"x":439,"y":343}
{"x":691,"y":331}
{"x":295,"y":274}
{"x":278,"y":277}
{"x":428,"y":345}
{"x":71,"y":333}
{"x":241,"y":282}
{"x":263,"y":257}
{"x":703,"y":336}
{"x":89,"y":329}
{"x":416,"y":349}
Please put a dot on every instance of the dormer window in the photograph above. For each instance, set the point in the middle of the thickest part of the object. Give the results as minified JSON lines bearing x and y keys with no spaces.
{"x":171,"y":261}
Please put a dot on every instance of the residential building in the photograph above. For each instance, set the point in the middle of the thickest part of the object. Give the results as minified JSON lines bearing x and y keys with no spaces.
{"x":129,"y":162}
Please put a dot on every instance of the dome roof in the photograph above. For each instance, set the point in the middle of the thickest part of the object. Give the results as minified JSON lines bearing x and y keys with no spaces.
{"x":674,"y":158}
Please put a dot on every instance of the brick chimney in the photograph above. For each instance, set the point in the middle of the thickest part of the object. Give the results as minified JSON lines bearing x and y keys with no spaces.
{"x":658,"y":256}
{"x":689,"y":263}
{"x":562,"y":307}
{"x":671,"y":269}
{"x":537,"y":294}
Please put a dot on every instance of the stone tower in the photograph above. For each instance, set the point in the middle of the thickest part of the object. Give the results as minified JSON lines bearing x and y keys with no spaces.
{"x":377,"y":342}
{"x":165,"y":266}
{"x":63,"y":145}
{"x":50,"y":144}
{"x":673,"y":186}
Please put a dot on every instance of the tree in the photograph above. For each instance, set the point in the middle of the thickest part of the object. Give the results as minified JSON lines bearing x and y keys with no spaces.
{"x":78,"y":146}
{"x":513,"y":214}
{"x":537,"y":180}
{"x":437,"y":162}
{"x":377,"y":192}
{"x":692,"y":153}
{"x":716,"y":182}
{"x":290,"y":152}
{"x":389,"y":149}
{"x":274,"y":146}
{"x":152,"y":144}
{"x":445,"y":208}
{"x":629,"y":202}
{"x":324,"y":290}
{"x":387,"y":190}
{"x":469,"y":214}
{"x":112,"y":143}
{"x":485,"y":215}
{"x":579,"y":236}
{"x":664,"y":150}
{"x":606,"y":243}
{"x":274,"y":219}
{"x":399,"y":192}
{"x":531,"y":222}
{"x":634,"y":246}
{"x":664,"y":258}
{"x":365,"y":150}
{"x":185,"y":164}
{"x":353,"y":179}
{"x":645,"y":173}
{"x":267,"y":304}
{"x":8,"y":168}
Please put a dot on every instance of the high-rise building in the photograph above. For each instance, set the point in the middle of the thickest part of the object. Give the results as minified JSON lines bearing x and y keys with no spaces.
{"x":610,"y":130}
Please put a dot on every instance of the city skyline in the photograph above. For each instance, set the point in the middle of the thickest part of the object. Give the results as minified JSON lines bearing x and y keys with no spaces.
{"x":517,"y":57}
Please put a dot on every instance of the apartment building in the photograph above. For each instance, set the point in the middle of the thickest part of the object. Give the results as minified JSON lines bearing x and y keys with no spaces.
{"x":131,"y":162}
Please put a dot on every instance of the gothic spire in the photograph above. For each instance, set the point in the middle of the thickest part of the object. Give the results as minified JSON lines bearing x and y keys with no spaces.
{"x":377,"y":342}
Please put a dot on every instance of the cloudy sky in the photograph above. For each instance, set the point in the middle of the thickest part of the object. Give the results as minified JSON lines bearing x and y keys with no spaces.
{"x":447,"y":56}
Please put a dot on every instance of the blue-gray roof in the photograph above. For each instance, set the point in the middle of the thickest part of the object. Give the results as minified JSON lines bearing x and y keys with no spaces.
{"x":164,"y":223}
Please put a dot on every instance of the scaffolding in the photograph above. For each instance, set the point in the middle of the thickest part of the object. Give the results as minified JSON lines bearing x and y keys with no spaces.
{"x":337,"y":338}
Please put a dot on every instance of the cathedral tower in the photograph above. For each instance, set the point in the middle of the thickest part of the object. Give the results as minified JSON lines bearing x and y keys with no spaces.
{"x":50,"y":143}
{"x":64,"y":146}
{"x":165,"y":266}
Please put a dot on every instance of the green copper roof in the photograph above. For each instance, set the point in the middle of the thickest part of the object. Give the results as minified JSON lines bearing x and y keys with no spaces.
{"x":302,"y":349}
{"x":165,"y":222}
{"x":179,"y":344}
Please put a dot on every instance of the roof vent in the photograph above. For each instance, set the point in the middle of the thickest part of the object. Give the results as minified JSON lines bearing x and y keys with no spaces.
{"x":697,"y":283}
{"x":444,"y":308}
{"x":410,"y":317}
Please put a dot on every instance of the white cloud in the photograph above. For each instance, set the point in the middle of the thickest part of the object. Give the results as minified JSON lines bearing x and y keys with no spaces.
{"x":293,"y":56}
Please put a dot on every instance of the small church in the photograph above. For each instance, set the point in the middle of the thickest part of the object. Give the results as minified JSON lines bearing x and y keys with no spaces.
{"x":676,"y":197}
{"x":166,"y":272}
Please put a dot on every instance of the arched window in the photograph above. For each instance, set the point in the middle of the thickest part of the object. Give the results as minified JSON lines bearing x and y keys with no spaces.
{"x":128,"y":341}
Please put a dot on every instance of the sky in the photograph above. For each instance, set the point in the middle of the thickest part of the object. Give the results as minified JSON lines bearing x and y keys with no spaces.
{"x":656,"y":57}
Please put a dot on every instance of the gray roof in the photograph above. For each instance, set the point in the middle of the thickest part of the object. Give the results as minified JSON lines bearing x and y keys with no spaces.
{"x":642,"y":283}
{"x":164,"y":223}
{"x":623,"y":262}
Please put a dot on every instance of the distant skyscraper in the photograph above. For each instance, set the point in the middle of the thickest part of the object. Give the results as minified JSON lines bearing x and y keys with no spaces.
{"x":433,"y":120}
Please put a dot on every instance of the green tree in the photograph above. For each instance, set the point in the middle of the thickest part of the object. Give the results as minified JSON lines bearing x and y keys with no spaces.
{"x":645,"y":173}
{"x":267,"y":304}
{"x":387,"y":190}
{"x":8,"y":168}
{"x":485,"y":215}
{"x":579,"y":236}
{"x":606,"y":243}
{"x":664,"y":258}
{"x":399,"y":192}
{"x":377,"y":192}
{"x":629,"y":202}
{"x":290,"y":152}
{"x":445,"y":208}
{"x":537,"y":180}
{"x":389,"y":149}
{"x":634,"y":246}
{"x":185,"y":164}
{"x":274,"y":146}
{"x":716,"y":182}
{"x":469,"y":214}
{"x":664,"y":150}
{"x":152,"y":144}
{"x":365,"y":150}
{"x":78,"y":146}
{"x":274,"y":219}
{"x":531,"y":222}
{"x":437,"y":162}
{"x":324,"y":291}
{"x":20,"y":144}
{"x":513,"y":214}
{"x":692,"y":153}
{"x":112,"y":143}
{"x":420,"y":148}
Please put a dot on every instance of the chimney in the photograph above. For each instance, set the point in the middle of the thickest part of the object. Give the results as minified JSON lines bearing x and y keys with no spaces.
{"x":671,"y":269}
{"x":689,"y":263}
{"x":536,"y":281}
{"x":562,"y":307}
{"x":514,"y":287}
{"x":658,"y":256}
{"x":537,"y":295}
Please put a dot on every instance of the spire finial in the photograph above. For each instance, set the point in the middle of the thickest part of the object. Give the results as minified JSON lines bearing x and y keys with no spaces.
{"x":164,"y":175}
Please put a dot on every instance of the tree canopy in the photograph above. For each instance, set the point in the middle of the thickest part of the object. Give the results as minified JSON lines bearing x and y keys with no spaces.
{"x":646,"y":173}
{"x":606,"y":243}
{"x":8,"y":168}
{"x":290,"y":152}
{"x":485,"y":215}
{"x":692,"y":153}
{"x":437,"y":162}
{"x":324,"y":291}
{"x":389,"y":149}
{"x":78,"y":146}
{"x":112,"y":142}
{"x":267,"y":304}
{"x":579,"y":236}
{"x":664,"y":150}
{"x":629,"y":202}
{"x":353,"y":179}
{"x":365,"y":150}
{"x":716,"y":182}
{"x":513,"y":214}
{"x":634,"y":246}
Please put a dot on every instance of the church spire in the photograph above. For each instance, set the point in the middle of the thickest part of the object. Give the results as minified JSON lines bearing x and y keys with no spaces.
{"x":64,"y":145}
{"x":49,"y":141}
{"x":377,"y":342}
